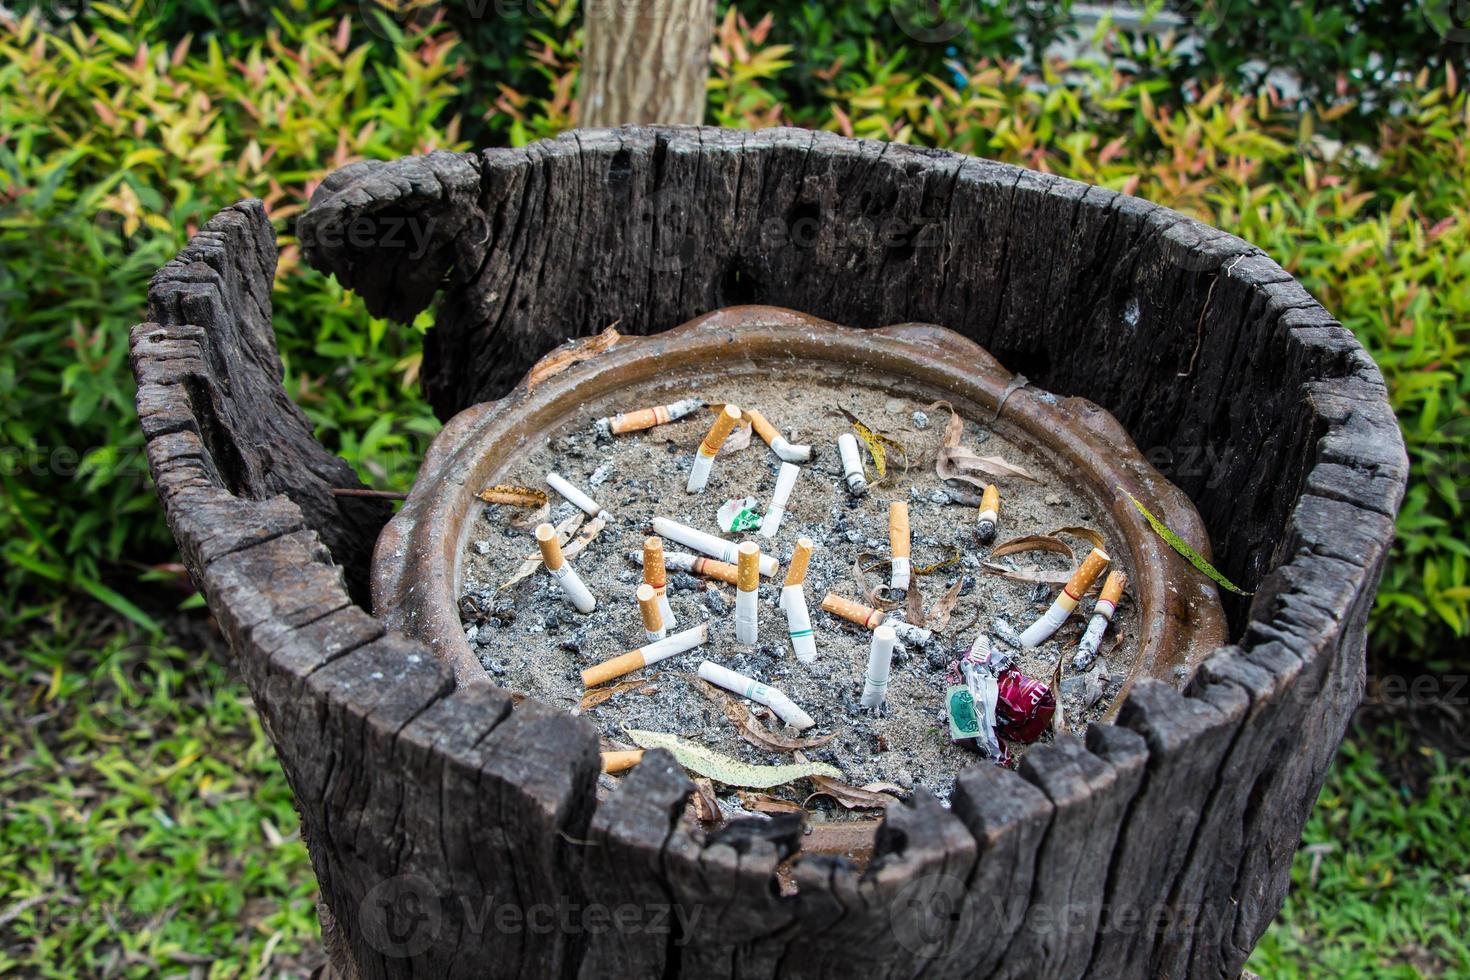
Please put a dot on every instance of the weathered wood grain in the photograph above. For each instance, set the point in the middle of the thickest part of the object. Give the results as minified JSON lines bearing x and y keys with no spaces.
{"x":1162,"y":846}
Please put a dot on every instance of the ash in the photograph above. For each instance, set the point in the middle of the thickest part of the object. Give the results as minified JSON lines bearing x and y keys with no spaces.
{"x":532,"y":642}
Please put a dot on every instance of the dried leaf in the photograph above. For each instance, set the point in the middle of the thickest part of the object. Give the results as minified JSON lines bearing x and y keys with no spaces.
{"x":513,"y":496}
{"x":570,"y":353}
{"x":723,"y":769}
{"x":706,"y":807}
{"x":875,"y":596}
{"x":1031,"y":542}
{"x":589,"y":533}
{"x":1058,"y":721}
{"x":874,"y":444}
{"x":957,"y":462}
{"x":738,"y":438}
{"x":953,"y":559}
{"x":1180,"y":545}
{"x":529,"y":520}
{"x":765,"y":803}
{"x":531,"y":562}
{"x":1087,"y":534}
{"x":750,"y":726}
{"x":944,"y":608}
{"x":598,"y":695}
{"x":913,"y":604}
{"x":964,"y":464}
{"x":851,"y":797}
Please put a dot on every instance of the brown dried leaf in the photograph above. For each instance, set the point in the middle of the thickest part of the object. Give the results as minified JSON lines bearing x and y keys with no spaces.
{"x":876,"y":596}
{"x":964,"y":464}
{"x":765,"y":803}
{"x":1029,"y":576}
{"x":1033,"y":542}
{"x":531,"y":562}
{"x":570,"y":353}
{"x":513,"y":496}
{"x":1058,"y":718}
{"x":589,"y":533}
{"x":944,"y":608}
{"x":957,"y":462}
{"x":706,"y":808}
{"x":749,"y":726}
{"x":913,"y":604}
{"x":738,"y":438}
{"x":598,"y":695}
{"x":850,"y":797}
{"x":1087,"y":534}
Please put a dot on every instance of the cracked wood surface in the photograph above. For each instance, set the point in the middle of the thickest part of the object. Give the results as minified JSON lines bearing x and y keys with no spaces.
{"x":441,"y":819}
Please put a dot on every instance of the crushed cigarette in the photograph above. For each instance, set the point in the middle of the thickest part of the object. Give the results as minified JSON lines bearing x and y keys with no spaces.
{"x":852,"y":464}
{"x":1102,"y":615}
{"x":669,"y":646}
{"x":773,"y":438}
{"x":572,"y":587}
{"x":785,"y":481}
{"x":899,"y":546}
{"x":647,"y":418}
{"x":579,"y":499}
{"x":706,"y":543}
{"x":1041,"y":630}
{"x":705,"y":456}
{"x":989,"y":513}
{"x":653,"y":620}
{"x":748,"y":687}
{"x":880,"y":662}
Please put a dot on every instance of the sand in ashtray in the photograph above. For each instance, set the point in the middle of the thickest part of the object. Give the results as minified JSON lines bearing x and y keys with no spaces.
{"x":531,"y":641}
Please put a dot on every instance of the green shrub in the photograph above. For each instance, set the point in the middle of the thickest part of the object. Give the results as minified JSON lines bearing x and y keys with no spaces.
{"x":117,"y":146}
{"x":115,"y":150}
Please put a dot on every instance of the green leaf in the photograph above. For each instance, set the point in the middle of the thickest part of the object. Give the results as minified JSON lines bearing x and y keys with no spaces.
{"x":724,"y":769}
{"x":1180,"y":545}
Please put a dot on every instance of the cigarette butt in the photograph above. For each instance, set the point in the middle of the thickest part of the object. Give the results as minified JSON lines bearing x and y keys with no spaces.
{"x":749,"y":567}
{"x":898,"y":529}
{"x":653,"y":563}
{"x":796,"y":571}
{"x":852,"y":466}
{"x":762,"y":426}
{"x":724,"y":422}
{"x":1113,"y":586}
{"x":1087,"y":573}
{"x":653,"y":620}
{"x":854,"y":612}
{"x":647,"y":418}
{"x":550,"y":547}
{"x":650,"y":654}
{"x":720,"y":571}
{"x":621,"y":761}
{"x":989,"y":513}
{"x":616,"y":667}
{"x":578,"y":499}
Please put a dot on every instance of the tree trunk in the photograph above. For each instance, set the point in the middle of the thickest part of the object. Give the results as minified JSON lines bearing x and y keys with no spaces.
{"x":646,"y":61}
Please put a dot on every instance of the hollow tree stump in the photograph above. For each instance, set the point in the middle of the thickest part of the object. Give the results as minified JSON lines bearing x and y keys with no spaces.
{"x":455,"y":835}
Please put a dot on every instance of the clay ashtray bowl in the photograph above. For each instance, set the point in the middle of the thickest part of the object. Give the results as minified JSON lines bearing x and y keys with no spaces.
{"x":420,"y":561}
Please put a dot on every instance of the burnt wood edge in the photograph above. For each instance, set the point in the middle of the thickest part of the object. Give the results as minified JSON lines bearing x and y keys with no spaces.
{"x":1335,"y":554}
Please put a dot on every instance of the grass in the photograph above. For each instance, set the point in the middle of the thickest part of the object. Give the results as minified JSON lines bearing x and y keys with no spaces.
{"x":148,"y":830}
{"x":147,"y":827}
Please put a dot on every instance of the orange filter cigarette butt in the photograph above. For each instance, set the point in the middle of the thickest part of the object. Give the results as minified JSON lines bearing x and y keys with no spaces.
{"x":621,"y":761}
{"x":854,"y":612}
{"x":796,"y":571}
